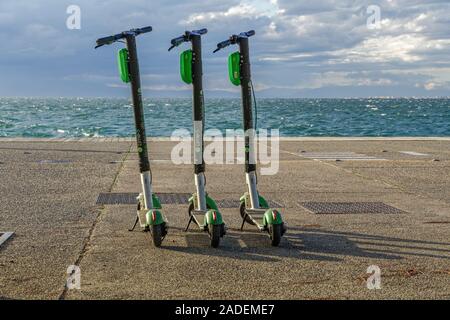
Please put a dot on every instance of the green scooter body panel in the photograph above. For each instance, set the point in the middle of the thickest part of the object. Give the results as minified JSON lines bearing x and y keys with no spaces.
{"x":234,"y":68}
{"x":212,"y":209}
{"x":154,"y":217}
{"x":186,"y":66}
{"x":122,"y":60}
{"x":210,"y":203}
{"x":156,"y":202}
{"x":262,"y":201}
{"x":272,"y":216}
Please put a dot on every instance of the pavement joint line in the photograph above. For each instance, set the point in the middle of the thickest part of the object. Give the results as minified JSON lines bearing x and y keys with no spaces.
{"x":100,"y":213}
{"x":5,"y":236}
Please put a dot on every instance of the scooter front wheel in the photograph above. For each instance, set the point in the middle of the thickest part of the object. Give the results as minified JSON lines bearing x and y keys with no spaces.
{"x":215,"y":233}
{"x":157,"y":234}
{"x":275,"y":231}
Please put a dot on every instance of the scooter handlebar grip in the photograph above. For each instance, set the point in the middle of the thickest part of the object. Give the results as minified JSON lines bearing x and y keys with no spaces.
{"x":144,"y":30}
{"x":201,"y":31}
{"x":177,"y":41}
{"x":105,"y":40}
{"x":223,"y":44}
{"x":250,"y":33}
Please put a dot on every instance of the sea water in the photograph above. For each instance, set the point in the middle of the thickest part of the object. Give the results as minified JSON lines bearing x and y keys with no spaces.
{"x":102,"y":117}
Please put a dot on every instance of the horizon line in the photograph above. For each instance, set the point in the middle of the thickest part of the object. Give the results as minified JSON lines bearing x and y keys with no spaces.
{"x":225,"y":98}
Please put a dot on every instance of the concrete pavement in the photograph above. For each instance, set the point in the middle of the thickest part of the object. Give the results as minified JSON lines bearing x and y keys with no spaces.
{"x":48,"y":194}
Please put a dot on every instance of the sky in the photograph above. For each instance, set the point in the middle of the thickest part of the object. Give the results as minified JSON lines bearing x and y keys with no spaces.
{"x":321,"y":48}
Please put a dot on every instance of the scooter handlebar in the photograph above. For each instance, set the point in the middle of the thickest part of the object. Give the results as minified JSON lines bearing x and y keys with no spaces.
{"x":108,"y":40}
{"x":222,"y":45}
{"x":122,"y":35}
{"x":234,"y":39}
{"x":175,"y":42}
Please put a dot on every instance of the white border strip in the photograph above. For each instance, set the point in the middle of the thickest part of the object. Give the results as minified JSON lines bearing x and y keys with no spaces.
{"x":5,"y":236}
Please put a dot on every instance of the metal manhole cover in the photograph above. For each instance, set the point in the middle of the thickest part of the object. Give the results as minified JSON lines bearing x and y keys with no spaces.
{"x":117,"y":198}
{"x":174,"y":198}
{"x":130,"y":198}
{"x":228,"y":203}
{"x":233,"y":203}
{"x":5,"y":236}
{"x":349,"y":207}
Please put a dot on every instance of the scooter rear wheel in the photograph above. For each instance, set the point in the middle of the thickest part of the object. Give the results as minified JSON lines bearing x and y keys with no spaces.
{"x":157,"y":234}
{"x":215,"y":233}
{"x":275,"y":231}
{"x":242,"y":211}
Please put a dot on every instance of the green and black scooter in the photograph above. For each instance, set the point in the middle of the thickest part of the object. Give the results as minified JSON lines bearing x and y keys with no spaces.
{"x":149,"y":215}
{"x":254,"y":209}
{"x":200,"y":204}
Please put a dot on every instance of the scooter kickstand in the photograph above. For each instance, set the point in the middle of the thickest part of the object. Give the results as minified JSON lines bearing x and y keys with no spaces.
{"x":134,"y":226}
{"x":189,"y":223}
{"x":243,"y":221}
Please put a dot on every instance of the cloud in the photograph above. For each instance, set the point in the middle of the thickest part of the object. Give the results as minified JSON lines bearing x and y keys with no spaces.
{"x":300,"y":48}
{"x":244,"y":10}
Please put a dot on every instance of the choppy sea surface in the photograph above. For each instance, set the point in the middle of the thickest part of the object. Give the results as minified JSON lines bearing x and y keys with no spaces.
{"x":98,"y":117}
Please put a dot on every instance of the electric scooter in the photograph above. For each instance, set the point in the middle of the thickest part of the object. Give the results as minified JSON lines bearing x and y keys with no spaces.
{"x":149,"y":215}
{"x":254,"y":209}
{"x":200,"y":204}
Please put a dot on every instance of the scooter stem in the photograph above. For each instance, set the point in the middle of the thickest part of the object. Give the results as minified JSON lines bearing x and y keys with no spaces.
{"x":198,"y":112}
{"x":198,"y":98}
{"x":201,"y":193}
{"x":249,"y":132}
{"x":141,"y":139}
{"x":250,"y":178}
{"x":246,"y":90}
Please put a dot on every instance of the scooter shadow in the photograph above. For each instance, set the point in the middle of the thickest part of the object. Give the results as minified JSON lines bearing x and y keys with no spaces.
{"x":384,"y":247}
{"x":299,"y":243}
{"x":246,"y":245}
